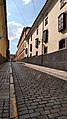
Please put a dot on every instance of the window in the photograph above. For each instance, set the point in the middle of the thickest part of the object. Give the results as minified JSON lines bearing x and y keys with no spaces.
{"x":36,"y":42}
{"x":31,"y":37}
{"x":45,"y":50}
{"x":46,"y":19}
{"x":45,"y":36}
{"x":26,"y":50}
{"x":37,"y":31}
{"x":61,"y":22}
{"x":31,"y":47}
{"x":62,"y":3}
{"x":36,"y":53}
{"x":62,"y":44}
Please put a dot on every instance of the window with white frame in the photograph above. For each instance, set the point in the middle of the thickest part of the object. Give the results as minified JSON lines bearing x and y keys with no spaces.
{"x":37,"y":31}
{"x":45,"y":36}
{"x":62,"y":3}
{"x":26,"y":50}
{"x":61,"y":22}
{"x":31,"y":47}
{"x":46,"y":19}
{"x":36,"y":42}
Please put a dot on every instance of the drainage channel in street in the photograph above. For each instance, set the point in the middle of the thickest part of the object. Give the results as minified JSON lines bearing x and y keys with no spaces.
{"x":13,"y":108}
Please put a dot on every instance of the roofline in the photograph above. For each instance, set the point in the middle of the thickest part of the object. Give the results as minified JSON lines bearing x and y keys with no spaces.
{"x":40,"y":13}
{"x":24,"y":29}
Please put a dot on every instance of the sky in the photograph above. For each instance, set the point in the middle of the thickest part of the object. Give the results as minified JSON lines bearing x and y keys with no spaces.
{"x":20,"y":13}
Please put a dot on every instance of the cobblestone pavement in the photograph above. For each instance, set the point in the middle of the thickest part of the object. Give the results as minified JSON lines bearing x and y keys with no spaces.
{"x":39,"y":95}
{"x":4,"y":91}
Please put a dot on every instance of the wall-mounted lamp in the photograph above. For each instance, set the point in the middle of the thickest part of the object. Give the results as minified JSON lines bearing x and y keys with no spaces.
{"x":1,"y":36}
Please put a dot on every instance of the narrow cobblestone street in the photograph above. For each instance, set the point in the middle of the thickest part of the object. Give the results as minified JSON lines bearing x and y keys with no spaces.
{"x":38,"y":95}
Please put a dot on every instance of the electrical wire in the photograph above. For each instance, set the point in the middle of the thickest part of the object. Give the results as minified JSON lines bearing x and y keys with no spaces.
{"x":19,"y":11}
{"x":34,"y":7}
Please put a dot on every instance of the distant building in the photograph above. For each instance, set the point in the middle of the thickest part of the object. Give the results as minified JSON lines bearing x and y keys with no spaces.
{"x":21,"y":47}
{"x":12,"y":57}
{"x":4,"y":42}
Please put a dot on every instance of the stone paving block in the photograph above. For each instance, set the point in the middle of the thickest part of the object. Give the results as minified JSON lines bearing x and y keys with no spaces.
{"x":43,"y":117}
{"x":23,"y":112}
{"x":43,"y":102}
{"x":35,"y":114}
{"x":45,"y":112}
{"x":39,"y":109}
{"x":34,"y":103}
{"x":42,"y":105}
{"x":26,"y":116}
{"x":53,"y":115}
{"x":54,"y":110}
{"x":21,"y":109}
{"x":62,"y":117}
{"x":50,"y":104}
{"x":57,"y":106}
{"x":31,"y":111}
{"x":32,"y":107}
{"x":64,"y":113}
{"x":48,"y":108}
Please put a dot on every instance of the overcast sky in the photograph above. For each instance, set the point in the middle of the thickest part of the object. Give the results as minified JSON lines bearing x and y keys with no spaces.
{"x":20,"y":13}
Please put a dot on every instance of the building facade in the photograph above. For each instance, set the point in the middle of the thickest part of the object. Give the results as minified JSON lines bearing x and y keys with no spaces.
{"x":21,"y":47}
{"x":49,"y":31}
{"x":4,"y":42}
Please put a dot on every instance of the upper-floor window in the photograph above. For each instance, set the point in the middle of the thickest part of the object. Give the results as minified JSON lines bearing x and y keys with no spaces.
{"x":62,"y":44}
{"x":62,"y":3}
{"x":36,"y":42}
{"x":45,"y":36}
{"x":28,"y":40}
{"x":37,"y":31}
{"x":61,"y":22}
{"x":46,"y":19}
{"x":31,"y":47}
{"x":31,"y":37}
{"x":26,"y":50}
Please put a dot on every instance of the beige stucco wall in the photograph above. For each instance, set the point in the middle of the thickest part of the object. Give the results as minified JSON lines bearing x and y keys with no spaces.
{"x":54,"y":36}
{"x":34,"y":36}
{"x":4,"y":40}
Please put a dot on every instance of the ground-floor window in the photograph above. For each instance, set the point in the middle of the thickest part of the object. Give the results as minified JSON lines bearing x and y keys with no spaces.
{"x":36,"y":53}
{"x":45,"y":50}
{"x":62,"y":44}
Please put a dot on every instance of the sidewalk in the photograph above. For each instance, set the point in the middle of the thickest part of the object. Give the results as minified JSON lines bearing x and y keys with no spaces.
{"x":54,"y":72}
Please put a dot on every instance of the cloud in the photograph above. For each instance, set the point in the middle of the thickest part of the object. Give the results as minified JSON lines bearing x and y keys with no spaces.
{"x":26,"y":1}
{"x":8,"y":14}
{"x":14,"y":30}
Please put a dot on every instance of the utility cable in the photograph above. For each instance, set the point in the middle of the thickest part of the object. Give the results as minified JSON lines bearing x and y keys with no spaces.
{"x":34,"y":7}
{"x":20,"y":12}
